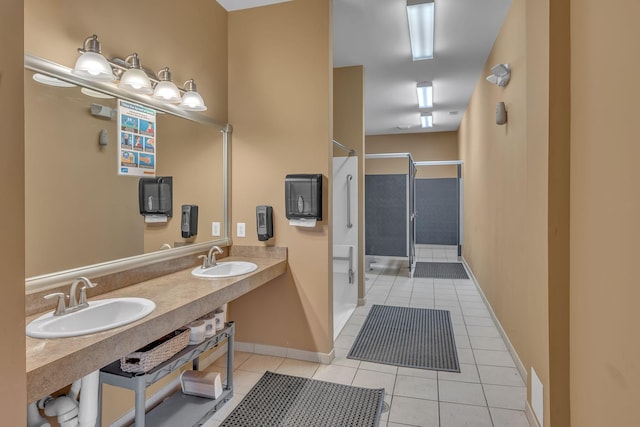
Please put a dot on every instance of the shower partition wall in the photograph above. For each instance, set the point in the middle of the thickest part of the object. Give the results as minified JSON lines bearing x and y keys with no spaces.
{"x":345,"y":239}
{"x":390,"y":211}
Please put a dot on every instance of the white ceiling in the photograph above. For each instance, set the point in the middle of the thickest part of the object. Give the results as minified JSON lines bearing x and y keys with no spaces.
{"x":374,"y":33}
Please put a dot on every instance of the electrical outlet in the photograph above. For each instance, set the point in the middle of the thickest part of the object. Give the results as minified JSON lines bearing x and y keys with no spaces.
{"x":215,"y":229}
{"x":240,"y":232}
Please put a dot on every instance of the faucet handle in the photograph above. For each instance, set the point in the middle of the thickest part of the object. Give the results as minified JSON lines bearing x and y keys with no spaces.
{"x":83,"y":296}
{"x":61,"y":307}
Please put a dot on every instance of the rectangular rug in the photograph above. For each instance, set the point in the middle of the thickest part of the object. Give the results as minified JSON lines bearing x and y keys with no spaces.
{"x":440,"y":270}
{"x":285,"y":400}
{"x":411,"y":337}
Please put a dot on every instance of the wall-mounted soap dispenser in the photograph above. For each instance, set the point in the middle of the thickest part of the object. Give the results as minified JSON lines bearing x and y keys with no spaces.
{"x":303,"y":195}
{"x":264,"y":222}
{"x":189,"y":221}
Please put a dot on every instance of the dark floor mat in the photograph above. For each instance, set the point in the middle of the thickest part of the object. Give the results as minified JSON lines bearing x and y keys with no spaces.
{"x":440,"y":270}
{"x":285,"y":400}
{"x":411,"y":337}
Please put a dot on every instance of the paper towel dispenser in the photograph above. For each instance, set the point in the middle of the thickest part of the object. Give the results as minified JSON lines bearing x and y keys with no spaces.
{"x":156,"y":196}
{"x":303,"y":195}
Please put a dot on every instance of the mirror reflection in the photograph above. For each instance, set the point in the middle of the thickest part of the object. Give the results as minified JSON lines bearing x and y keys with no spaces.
{"x":79,"y":211}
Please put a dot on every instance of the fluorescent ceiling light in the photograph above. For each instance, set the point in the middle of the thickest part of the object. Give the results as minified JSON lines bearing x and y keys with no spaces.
{"x":421,"y":14}
{"x":425,"y":95}
{"x":426,"y":120}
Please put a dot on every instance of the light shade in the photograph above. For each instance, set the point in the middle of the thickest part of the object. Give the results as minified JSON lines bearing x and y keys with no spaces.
{"x":426,"y":120}
{"x":134,"y":79}
{"x":91,"y":64}
{"x":421,"y":15}
{"x":191,"y":100}
{"x":166,"y":90}
{"x":425,"y":95}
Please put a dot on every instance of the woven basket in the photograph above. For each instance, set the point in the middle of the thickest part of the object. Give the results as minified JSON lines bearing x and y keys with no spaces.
{"x":155,"y":353}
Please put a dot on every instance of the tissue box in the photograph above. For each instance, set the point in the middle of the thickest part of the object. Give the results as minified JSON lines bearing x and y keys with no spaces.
{"x":203,"y":384}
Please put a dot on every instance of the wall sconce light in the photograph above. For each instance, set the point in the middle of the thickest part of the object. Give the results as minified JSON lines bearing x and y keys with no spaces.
{"x":421,"y":16}
{"x":501,"y":113}
{"x":191,"y":100}
{"x":425,"y":95}
{"x":500,"y":75}
{"x":91,"y":64}
{"x":134,"y":79}
{"x":166,"y":90}
{"x":426,"y":120}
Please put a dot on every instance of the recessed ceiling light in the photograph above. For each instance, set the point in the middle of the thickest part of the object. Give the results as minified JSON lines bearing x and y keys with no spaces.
{"x":51,"y":81}
{"x":426,"y":120}
{"x":421,"y":16}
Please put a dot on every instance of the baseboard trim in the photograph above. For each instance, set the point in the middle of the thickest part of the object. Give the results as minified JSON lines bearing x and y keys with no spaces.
{"x":510,"y":347}
{"x":533,"y":420}
{"x":290,"y":353}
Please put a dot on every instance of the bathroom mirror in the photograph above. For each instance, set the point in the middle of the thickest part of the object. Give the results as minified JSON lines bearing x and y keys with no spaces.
{"x":82,"y":217}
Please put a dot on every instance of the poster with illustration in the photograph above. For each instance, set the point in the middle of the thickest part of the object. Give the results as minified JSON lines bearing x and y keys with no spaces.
{"x":136,"y":140}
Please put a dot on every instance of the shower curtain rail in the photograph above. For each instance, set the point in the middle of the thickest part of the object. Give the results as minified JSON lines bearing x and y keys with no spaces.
{"x":351,"y":151}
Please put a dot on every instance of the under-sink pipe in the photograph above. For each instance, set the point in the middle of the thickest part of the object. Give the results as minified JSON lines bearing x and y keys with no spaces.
{"x":66,"y":408}
{"x":89,"y":400}
{"x":75,"y":389}
{"x":34,"y":419}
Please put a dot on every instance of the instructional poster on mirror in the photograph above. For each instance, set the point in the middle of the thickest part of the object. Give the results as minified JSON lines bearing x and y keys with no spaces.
{"x":136,"y":140}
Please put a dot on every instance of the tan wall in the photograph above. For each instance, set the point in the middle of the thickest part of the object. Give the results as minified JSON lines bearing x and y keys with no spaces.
{"x":428,"y":146}
{"x":348,"y":129}
{"x":506,"y":192}
{"x":56,"y":30}
{"x":280,"y":84}
{"x":605,"y":350}
{"x":12,"y":357}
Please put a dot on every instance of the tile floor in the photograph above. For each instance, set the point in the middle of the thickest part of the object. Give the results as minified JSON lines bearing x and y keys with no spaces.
{"x":487,"y":392}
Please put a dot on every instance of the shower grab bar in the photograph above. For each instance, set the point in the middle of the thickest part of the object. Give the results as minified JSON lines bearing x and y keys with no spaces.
{"x":349,"y":223}
{"x":350,"y":259}
{"x":351,"y":151}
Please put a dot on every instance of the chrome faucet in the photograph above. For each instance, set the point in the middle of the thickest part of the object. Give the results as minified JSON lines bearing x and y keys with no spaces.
{"x":209,"y":260}
{"x":74,"y":305}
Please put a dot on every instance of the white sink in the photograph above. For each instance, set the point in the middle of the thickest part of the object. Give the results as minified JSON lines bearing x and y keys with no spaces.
{"x":101,"y":315}
{"x":225,"y":269}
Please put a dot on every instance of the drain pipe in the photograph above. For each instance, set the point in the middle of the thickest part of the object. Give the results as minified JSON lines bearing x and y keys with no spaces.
{"x":34,"y":419}
{"x":89,"y":400}
{"x":66,"y":408}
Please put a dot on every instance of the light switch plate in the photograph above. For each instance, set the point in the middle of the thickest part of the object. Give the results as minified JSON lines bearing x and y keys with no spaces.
{"x":215,"y":229}
{"x":240,"y":231}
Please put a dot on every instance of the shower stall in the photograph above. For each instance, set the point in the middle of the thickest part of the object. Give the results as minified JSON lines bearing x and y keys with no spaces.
{"x":345,"y":238}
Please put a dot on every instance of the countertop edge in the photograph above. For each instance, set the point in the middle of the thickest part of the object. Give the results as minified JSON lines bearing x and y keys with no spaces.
{"x":52,"y":375}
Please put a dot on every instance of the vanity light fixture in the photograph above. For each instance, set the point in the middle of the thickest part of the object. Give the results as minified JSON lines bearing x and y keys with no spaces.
{"x":426,"y":120}
{"x":425,"y":95}
{"x":191,"y":100}
{"x":134,"y":79}
{"x":91,"y":64}
{"x":166,"y":90}
{"x":421,"y":16}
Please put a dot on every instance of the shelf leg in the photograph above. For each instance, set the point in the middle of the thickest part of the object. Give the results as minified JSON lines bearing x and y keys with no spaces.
{"x":230,"y":357}
{"x":140,"y":402}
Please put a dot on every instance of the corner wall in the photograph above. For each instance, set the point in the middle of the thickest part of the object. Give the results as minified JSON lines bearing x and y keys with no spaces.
{"x":280,"y":106}
{"x":12,"y":367}
{"x":605,"y":349}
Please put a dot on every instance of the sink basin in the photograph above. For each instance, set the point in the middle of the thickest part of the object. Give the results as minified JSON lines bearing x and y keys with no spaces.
{"x":225,"y":269}
{"x":101,"y":315}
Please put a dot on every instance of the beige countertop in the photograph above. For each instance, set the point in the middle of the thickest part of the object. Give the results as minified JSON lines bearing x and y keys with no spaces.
{"x":179,"y":297}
